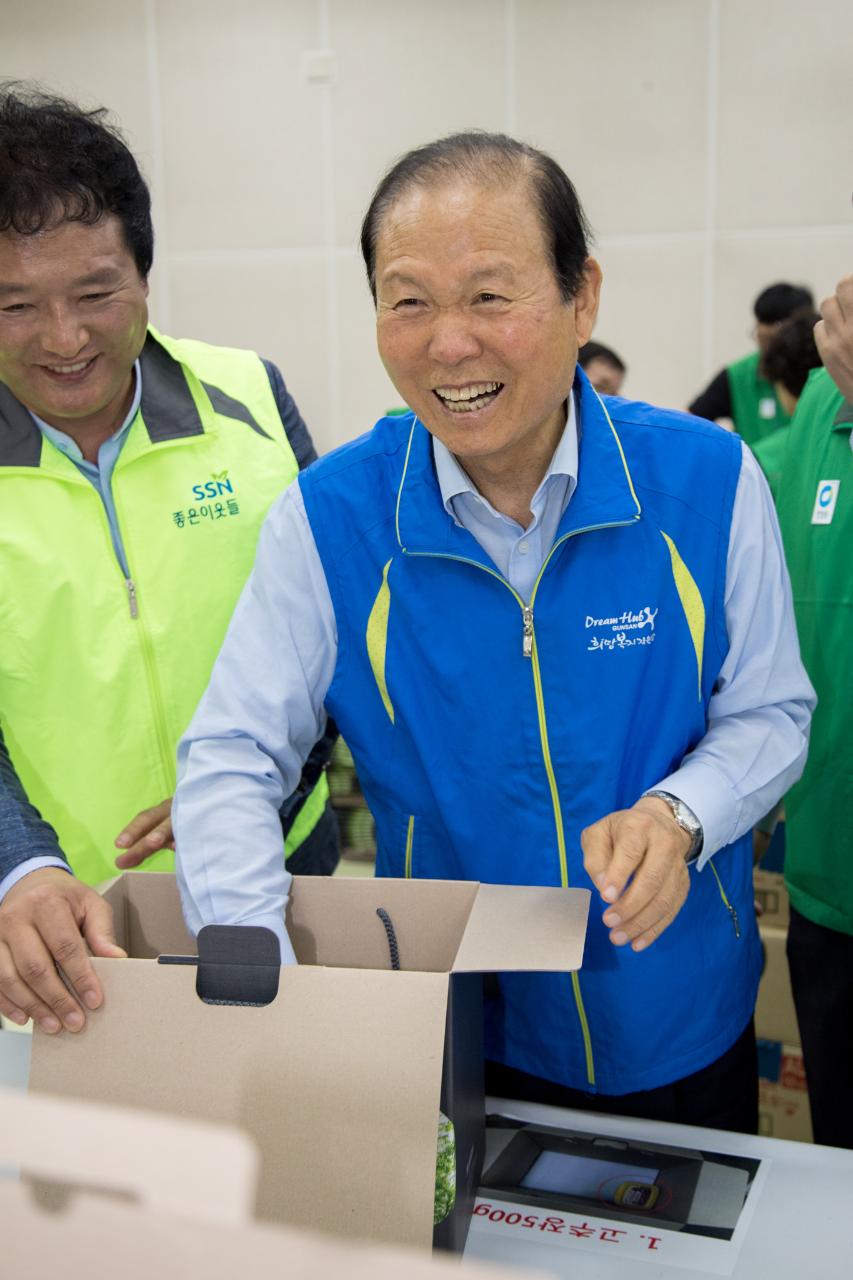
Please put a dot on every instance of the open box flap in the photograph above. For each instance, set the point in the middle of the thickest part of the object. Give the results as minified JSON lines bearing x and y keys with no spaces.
{"x":331,"y":920}
{"x":96,"y":1237}
{"x":337,"y":1081}
{"x":524,"y":928}
{"x":202,"y":1171}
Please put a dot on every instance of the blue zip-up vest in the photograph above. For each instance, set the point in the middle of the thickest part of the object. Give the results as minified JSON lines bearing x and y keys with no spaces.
{"x":488,"y":734}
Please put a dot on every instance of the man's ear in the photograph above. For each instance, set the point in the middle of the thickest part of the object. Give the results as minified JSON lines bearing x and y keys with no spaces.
{"x":586,"y":301}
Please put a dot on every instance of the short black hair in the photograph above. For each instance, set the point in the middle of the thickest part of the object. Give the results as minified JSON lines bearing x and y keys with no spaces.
{"x":483,"y":156}
{"x":779,"y":301}
{"x":59,"y":163}
{"x":792,"y":352}
{"x":597,"y":351}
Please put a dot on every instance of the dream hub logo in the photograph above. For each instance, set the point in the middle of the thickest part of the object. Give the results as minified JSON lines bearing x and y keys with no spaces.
{"x":214,"y":487}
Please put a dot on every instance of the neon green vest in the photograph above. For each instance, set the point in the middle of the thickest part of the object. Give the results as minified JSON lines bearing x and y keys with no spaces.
{"x":100,"y":676}
{"x":756,"y":410}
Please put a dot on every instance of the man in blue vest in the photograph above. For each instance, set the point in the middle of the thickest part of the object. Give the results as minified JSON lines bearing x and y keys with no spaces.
{"x":556,"y":633}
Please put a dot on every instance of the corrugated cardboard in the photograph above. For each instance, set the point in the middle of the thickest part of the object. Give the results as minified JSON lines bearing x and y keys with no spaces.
{"x":772,"y":896}
{"x":775,"y":1017}
{"x":783,"y":1100}
{"x":339,"y":1079}
{"x":196,"y":1170}
{"x":193,"y":1182}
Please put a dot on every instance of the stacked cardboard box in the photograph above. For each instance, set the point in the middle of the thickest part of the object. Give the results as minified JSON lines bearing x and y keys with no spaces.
{"x":783,"y":1098}
{"x":769,"y":882}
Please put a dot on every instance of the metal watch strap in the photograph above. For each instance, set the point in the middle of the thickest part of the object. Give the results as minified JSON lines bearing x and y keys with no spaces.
{"x":686,"y":819}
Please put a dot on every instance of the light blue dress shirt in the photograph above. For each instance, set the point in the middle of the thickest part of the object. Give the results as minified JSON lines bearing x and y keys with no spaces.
{"x":263,"y":709}
{"x":100,"y":475}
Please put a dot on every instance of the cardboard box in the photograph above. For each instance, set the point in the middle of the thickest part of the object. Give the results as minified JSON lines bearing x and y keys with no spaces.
{"x":340,"y":1078}
{"x":775,"y":1016}
{"x":783,"y":1100}
{"x":772,"y":896}
{"x":193,"y":1186}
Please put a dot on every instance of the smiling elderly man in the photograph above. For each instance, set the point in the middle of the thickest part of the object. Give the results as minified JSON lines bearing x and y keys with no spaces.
{"x":555,"y":631}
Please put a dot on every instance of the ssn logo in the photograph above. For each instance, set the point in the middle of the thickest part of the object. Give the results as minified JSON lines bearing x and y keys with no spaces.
{"x":214,"y":487}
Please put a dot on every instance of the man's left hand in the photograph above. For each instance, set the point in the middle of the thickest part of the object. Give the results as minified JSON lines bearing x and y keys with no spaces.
{"x":834,"y":336}
{"x":637,"y":860}
{"x":148,"y":833}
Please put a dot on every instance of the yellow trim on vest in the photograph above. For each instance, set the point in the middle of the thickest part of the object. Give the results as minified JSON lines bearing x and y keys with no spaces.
{"x":410,"y":839}
{"x":691,"y":602}
{"x":400,"y":487}
{"x":377,"y":639}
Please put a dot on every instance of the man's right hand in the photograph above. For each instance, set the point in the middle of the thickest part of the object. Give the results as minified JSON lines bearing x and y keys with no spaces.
{"x":834,"y":336}
{"x":47,"y":919}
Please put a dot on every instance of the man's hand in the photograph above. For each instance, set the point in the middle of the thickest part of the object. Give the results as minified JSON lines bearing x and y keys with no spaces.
{"x":834,"y":336}
{"x":150,"y":831}
{"x":47,"y":919}
{"x":636,"y":859}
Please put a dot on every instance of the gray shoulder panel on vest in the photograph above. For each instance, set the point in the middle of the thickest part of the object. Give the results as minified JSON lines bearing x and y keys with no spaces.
{"x":229,"y":408}
{"x":20,"y":438}
{"x":168,"y":409}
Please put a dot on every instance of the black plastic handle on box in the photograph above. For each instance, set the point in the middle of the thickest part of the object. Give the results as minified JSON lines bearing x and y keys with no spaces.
{"x":237,"y":965}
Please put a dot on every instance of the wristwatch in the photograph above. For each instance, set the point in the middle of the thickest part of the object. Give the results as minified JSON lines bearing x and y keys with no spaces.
{"x":686,"y":819}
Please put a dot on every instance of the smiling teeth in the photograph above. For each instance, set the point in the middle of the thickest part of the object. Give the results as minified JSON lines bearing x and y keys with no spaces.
{"x":68,"y":369}
{"x":467,"y":393}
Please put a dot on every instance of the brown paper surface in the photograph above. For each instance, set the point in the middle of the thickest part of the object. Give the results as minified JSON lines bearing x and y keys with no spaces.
{"x":337,"y":1081}
{"x":524,"y":928}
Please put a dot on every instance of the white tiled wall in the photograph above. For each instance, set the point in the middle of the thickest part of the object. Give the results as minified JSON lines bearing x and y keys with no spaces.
{"x":709,"y":139}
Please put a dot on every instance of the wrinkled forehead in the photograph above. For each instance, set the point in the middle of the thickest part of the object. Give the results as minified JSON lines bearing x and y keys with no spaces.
{"x":478,"y":219}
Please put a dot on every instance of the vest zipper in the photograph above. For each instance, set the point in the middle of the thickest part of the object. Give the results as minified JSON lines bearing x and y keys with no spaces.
{"x":527,"y":642}
{"x":164,"y":740}
{"x":528,"y":649}
{"x":726,"y":903}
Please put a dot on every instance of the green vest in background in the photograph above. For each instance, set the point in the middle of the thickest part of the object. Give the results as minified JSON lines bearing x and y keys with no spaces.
{"x":815,"y":508}
{"x":99,"y":675}
{"x":755,"y":409}
{"x":770,"y":453}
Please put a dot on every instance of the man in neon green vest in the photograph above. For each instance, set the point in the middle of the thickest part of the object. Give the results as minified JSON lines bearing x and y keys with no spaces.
{"x":741,"y":391}
{"x":135,"y":473}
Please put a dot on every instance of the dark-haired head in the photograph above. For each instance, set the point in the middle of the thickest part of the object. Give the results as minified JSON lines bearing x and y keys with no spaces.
{"x":604,"y":368}
{"x":792,"y":352}
{"x":779,"y":301}
{"x":598,"y":351}
{"x":59,"y":163}
{"x":489,"y":158}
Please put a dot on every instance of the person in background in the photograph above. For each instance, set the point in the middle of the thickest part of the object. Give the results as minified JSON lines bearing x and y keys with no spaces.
{"x":789,"y":359}
{"x":815,"y":506}
{"x":605,"y":370}
{"x":135,"y":472}
{"x":741,"y":391}
{"x":555,"y":631}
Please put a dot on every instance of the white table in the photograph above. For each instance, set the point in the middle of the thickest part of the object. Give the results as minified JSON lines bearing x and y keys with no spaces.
{"x":797,"y":1223}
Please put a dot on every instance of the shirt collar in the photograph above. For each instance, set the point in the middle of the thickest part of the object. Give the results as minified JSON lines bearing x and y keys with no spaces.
{"x":453,"y":482}
{"x":69,"y":446}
